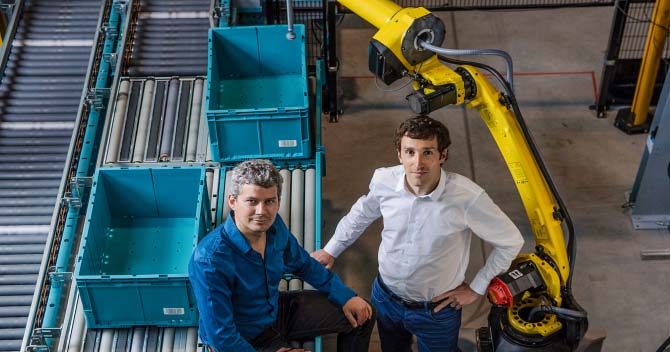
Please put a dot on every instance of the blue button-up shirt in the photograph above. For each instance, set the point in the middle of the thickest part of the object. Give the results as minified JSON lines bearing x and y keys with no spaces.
{"x":237,"y":290}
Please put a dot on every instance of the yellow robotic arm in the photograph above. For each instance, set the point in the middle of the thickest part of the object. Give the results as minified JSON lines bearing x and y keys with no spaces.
{"x":533,"y":305}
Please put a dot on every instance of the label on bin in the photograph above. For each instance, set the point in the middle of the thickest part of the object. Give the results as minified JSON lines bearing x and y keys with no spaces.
{"x":288,"y":143}
{"x":173,"y":311}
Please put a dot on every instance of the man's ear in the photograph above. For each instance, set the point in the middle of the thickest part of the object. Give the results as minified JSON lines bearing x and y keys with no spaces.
{"x":231,"y":201}
{"x":444,"y":156}
{"x":399,"y":159}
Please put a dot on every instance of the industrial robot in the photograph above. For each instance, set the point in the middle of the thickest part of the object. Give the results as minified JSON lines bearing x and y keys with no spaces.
{"x":533,"y":308}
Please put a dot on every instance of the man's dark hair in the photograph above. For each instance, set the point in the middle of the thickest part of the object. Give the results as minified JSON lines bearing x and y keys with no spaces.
{"x":423,"y":127}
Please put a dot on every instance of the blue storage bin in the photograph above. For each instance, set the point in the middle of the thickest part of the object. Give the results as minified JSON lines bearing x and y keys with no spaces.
{"x":257,"y":95}
{"x":141,"y":227}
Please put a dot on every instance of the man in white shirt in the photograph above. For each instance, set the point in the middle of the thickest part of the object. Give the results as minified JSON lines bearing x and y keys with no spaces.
{"x":429,"y":216}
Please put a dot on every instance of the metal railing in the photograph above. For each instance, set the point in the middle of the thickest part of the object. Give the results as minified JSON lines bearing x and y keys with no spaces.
{"x":623,"y":57}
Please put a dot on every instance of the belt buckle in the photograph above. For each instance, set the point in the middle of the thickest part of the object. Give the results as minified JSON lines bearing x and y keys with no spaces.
{"x":411,"y":304}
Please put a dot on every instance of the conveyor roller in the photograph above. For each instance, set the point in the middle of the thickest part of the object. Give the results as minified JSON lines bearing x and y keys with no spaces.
{"x":42,"y":82}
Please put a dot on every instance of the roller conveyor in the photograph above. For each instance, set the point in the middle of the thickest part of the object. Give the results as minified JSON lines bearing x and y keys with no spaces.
{"x":36,"y":88}
{"x":166,"y":36}
{"x":156,"y":117}
{"x":158,"y":120}
{"x":152,"y":120}
{"x":21,"y":259}
{"x":142,"y":104}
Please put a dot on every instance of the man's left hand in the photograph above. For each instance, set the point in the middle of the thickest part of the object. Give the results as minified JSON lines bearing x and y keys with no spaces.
{"x":357,"y":311}
{"x":456,"y":298}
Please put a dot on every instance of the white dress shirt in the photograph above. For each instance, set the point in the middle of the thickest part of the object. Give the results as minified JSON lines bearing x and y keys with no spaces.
{"x":425,"y":246}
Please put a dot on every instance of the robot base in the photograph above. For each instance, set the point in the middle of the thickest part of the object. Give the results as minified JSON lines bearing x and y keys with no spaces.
{"x":500,"y":337}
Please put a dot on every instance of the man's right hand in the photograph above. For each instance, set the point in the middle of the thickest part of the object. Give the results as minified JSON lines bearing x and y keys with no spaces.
{"x":357,"y":311}
{"x":324,"y":258}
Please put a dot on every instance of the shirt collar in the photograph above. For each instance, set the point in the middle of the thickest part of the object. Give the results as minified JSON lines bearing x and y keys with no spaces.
{"x":233,"y":234}
{"x":437,"y":192}
{"x":237,"y":238}
{"x":400,"y":186}
{"x":434,"y":195}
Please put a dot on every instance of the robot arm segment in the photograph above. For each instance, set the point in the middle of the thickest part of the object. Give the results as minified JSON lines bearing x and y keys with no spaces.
{"x":539,"y":279}
{"x":396,"y":50}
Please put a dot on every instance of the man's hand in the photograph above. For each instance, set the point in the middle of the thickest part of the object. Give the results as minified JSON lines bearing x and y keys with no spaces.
{"x":324,"y":258}
{"x":357,"y":311}
{"x":456,"y":298}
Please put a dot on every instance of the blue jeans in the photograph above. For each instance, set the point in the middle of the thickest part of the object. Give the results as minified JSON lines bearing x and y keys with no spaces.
{"x":435,"y":332}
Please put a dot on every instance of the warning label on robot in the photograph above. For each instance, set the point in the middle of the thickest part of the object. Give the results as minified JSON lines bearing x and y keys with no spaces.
{"x":517,"y":172}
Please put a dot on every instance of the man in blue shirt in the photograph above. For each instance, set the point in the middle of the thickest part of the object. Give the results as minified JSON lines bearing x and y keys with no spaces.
{"x":236,"y":269}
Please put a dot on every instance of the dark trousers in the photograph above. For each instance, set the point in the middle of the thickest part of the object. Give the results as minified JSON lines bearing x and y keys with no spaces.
{"x":303,"y":315}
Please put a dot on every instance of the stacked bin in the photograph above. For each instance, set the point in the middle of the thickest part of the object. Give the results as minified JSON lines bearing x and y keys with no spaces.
{"x":142,"y":225}
{"x":257,"y":97}
{"x":257,"y":106}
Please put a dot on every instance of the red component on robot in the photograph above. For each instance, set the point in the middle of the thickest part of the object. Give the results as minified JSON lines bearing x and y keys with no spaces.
{"x":499,"y":293}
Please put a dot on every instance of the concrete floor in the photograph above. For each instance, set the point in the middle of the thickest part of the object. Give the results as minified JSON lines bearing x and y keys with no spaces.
{"x":593,"y":164}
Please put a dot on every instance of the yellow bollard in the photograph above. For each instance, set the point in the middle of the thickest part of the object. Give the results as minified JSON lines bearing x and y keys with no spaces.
{"x":653,"y":49}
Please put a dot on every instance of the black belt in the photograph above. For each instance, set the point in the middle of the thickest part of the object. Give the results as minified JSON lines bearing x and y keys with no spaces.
{"x":408,"y":303}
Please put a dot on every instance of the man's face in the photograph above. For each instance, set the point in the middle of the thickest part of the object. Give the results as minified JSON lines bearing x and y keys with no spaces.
{"x":421,"y":160}
{"x":255,"y":208}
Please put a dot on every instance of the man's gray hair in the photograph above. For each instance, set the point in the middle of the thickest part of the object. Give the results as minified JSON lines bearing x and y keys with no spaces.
{"x":258,"y":172}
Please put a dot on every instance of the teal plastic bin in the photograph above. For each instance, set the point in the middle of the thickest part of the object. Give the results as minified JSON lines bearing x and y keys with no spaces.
{"x":257,"y":96}
{"x":141,"y":227}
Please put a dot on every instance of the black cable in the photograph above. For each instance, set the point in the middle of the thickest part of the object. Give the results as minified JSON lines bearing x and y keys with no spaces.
{"x":572,"y":246}
{"x":649,"y":20}
{"x":564,"y":313}
{"x":641,"y":20}
{"x":664,"y":345}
